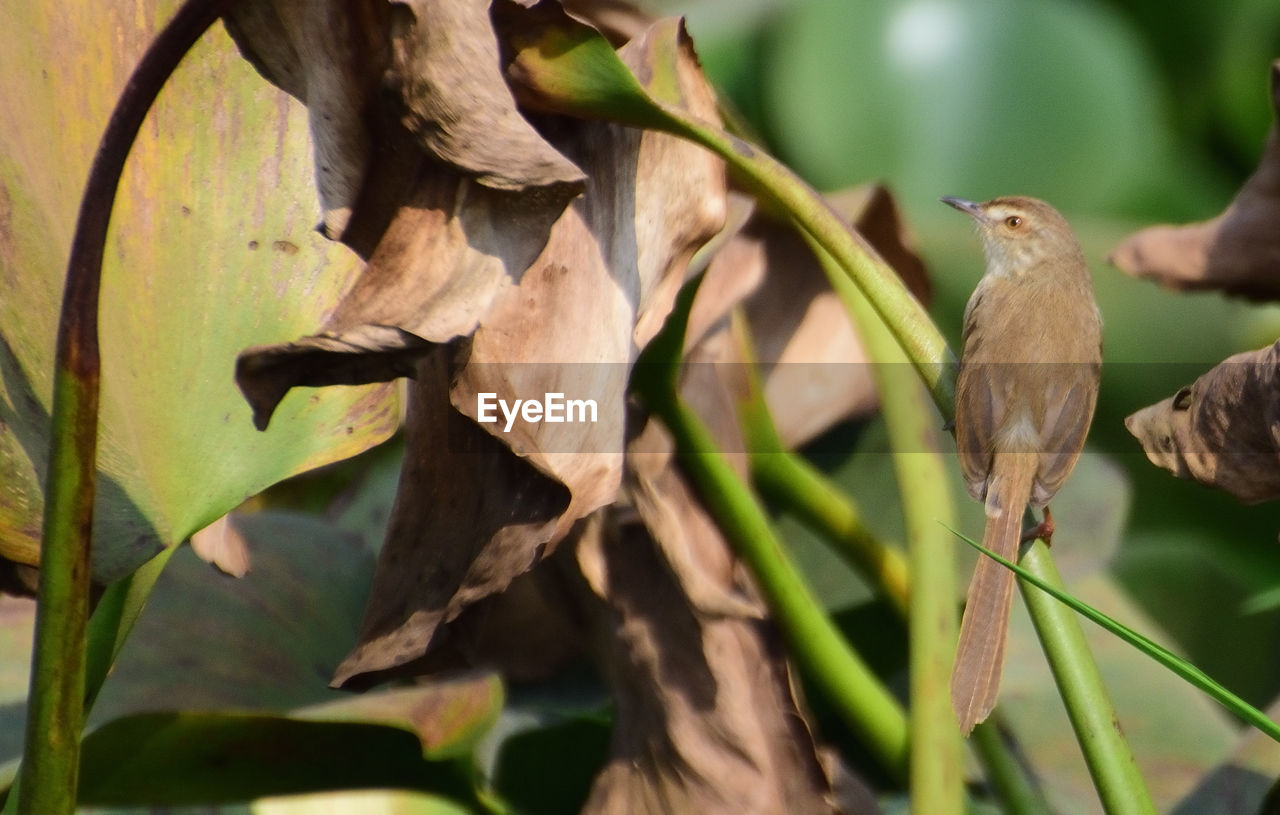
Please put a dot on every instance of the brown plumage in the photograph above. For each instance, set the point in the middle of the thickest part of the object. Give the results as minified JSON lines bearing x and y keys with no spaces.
{"x":1028,"y":383}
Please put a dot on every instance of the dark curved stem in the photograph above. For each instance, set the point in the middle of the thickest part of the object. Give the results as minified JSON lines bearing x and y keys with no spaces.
{"x":51,"y":754}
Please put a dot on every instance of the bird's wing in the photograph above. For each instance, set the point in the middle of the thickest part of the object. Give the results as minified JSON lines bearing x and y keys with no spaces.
{"x":1069,"y":402}
{"x":981,"y":403}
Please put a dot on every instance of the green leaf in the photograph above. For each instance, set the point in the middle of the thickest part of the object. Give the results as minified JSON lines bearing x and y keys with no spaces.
{"x":1151,"y":648}
{"x":176,"y":759}
{"x":267,"y":642}
{"x":265,"y":647}
{"x":212,"y":250}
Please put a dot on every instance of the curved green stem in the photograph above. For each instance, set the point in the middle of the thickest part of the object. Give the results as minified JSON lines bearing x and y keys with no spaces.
{"x":817,"y":645}
{"x":51,"y":753}
{"x":858,"y":696}
{"x":571,"y":69}
{"x":795,"y":484}
{"x":937,"y":777}
{"x":798,"y":486}
{"x":1106,"y":751}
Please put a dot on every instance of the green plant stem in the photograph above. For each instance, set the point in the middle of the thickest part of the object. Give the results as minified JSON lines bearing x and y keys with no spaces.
{"x":1106,"y":751}
{"x":858,"y":262}
{"x":1006,"y":775}
{"x":794,"y":483}
{"x":937,"y":769}
{"x":55,"y":718}
{"x":51,"y":756}
{"x":863,"y":702}
{"x":817,"y":645}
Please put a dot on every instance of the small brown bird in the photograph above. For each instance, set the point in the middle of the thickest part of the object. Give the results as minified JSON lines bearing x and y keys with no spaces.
{"x":1028,"y":383}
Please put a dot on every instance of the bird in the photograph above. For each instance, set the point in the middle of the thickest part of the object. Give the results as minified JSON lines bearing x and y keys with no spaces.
{"x":1030,"y":368}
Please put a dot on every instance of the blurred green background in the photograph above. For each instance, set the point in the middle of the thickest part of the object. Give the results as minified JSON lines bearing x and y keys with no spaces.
{"x":1122,"y":114}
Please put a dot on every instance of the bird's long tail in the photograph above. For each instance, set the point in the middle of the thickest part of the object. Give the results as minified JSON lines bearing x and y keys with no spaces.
{"x":975,"y":680}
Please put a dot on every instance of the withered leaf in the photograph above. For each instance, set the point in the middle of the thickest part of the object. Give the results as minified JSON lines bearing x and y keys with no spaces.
{"x":1224,"y":430}
{"x":445,"y":66}
{"x":468,"y":518}
{"x":571,"y":324}
{"x":1237,"y":252}
{"x":706,"y":717}
{"x":330,"y":54}
{"x":527,"y":632}
{"x":451,"y":248}
{"x":364,"y":68}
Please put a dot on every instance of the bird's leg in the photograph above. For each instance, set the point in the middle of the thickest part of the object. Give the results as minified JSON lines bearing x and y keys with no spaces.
{"x":1042,"y":530}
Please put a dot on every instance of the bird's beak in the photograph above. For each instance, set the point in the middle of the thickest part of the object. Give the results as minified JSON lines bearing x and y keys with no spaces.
{"x":967,"y":207}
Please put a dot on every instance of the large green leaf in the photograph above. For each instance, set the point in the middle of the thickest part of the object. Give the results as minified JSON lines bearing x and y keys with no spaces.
{"x":212,"y":250}
{"x":250,"y":659}
{"x":193,"y":758}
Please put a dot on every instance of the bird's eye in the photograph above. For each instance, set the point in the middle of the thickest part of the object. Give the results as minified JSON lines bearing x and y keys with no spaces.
{"x":1013,"y":221}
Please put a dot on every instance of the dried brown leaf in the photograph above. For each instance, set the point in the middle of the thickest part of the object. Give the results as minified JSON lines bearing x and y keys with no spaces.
{"x":1236,"y":252}
{"x":710,"y":575}
{"x":469,"y":516}
{"x":330,"y":54}
{"x":527,"y":632}
{"x":1224,"y":430}
{"x":598,"y":293}
{"x":571,"y":324}
{"x":451,"y":248}
{"x":445,"y":66}
{"x":368,"y":69}
{"x":706,"y":716}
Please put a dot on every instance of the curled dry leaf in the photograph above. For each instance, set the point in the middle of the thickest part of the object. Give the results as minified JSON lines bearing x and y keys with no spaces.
{"x":446,"y":68}
{"x":451,"y":248}
{"x":330,"y":55}
{"x":504,"y":295}
{"x":439,"y":62}
{"x":1224,"y":430}
{"x":706,"y":716}
{"x":1237,"y":252}
{"x":468,"y":518}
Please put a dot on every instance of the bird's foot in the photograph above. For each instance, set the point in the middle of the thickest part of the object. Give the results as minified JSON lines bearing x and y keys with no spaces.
{"x":1042,"y":530}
